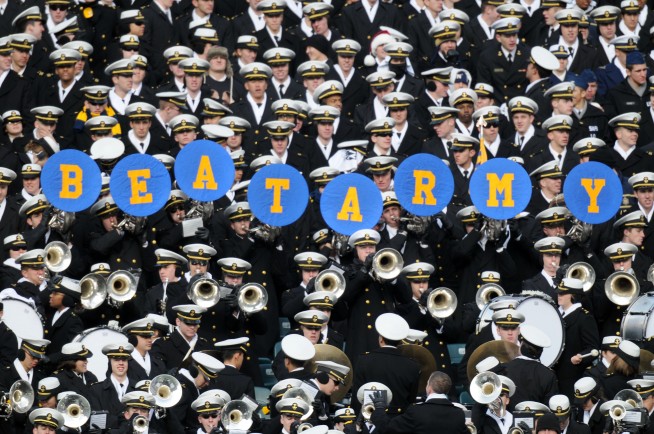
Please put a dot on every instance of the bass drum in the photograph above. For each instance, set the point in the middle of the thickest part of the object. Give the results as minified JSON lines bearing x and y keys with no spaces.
{"x":638,"y":319}
{"x":96,"y":338}
{"x":539,"y":312}
{"x":22,"y":319}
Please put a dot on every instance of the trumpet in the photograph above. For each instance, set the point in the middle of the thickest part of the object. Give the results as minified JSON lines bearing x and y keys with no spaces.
{"x":330,"y":281}
{"x":486,"y":293}
{"x":57,"y":256}
{"x":516,"y":430}
{"x":416,"y":224}
{"x":340,"y":244}
{"x":304,"y":426}
{"x":203,"y":291}
{"x":140,"y":424}
{"x":133,"y":225}
{"x":472,"y":429}
{"x":61,"y":221}
{"x":252,"y":298}
{"x":441,"y":303}
{"x":93,"y":291}
{"x":266,"y":233}
{"x":367,"y":410}
{"x":493,"y":228}
{"x":387,"y":265}
{"x":621,"y":288}
{"x":580,"y":231}
{"x":203,"y":210}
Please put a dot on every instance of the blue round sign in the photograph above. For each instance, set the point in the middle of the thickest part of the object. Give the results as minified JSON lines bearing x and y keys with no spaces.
{"x":278,"y":194}
{"x":500,"y":188}
{"x":71,"y":180}
{"x":351,"y":202}
{"x":593,"y":192}
{"x":140,"y":185}
{"x":204,"y":170}
{"x":424,"y":184}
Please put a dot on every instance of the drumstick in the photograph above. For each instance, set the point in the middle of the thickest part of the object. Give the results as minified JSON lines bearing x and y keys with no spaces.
{"x":593,"y":353}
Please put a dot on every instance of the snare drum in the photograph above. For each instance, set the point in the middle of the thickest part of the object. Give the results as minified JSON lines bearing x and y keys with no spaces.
{"x":96,"y":338}
{"x":638,"y":321}
{"x":540,"y":313}
{"x":22,"y":319}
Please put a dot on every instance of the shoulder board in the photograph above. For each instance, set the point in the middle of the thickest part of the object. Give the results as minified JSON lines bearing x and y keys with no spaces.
{"x":515,"y":145}
{"x":649,"y":153}
{"x":165,"y":338}
{"x":587,"y":312}
{"x":540,"y":151}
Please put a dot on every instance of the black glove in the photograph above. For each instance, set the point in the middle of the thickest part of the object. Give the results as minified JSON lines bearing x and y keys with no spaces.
{"x":294,"y":426}
{"x":524,"y":427}
{"x":478,"y":224}
{"x":425,"y":296}
{"x":202,"y":233}
{"x":231,"y":301}
{"x":318,"y":409}
{"x":445,"y":222}
{"x":368,"y":262}
{"x":47,"y":215}
{"x":311,"y":285}
{"x":378,"y":400}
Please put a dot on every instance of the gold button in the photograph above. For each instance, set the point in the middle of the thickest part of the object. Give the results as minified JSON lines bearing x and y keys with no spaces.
{"x":440,"y":343}
{"x":249,"y":273}
{"x":426,"y":343}
{"x":367,"y":301}
{"x":366,"y":290}
{"x":263,"y":284}
{"x":263,"y":272}
{"x":117,"y":316}
{"x":438,"y":246}
{"x":441,"y":279}
{"x":213,"y":312}
{"x":133,"y":261}
{"x":118,"y":260}
{"x":213,"y":327}
{"x":383,"y":301}
{"x":154,"y":242}
{"x":368,"y":314}
{"x":369,"y":327}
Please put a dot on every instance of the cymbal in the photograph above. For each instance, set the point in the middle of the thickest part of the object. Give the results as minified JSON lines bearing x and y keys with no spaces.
{"x":646,"y":358}
{"x":502,"y":350}
{"x":425,"y":358}
{"x":333,"y":354}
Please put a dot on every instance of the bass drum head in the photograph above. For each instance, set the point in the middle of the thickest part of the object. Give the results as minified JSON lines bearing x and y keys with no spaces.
{"x":637,"y":322}
{"x":541,"y":314}
{"x":96,"y":338}
{"x":22,"y":319}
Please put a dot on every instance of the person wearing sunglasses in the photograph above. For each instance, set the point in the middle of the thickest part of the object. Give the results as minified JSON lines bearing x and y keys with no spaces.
{"x":496,"y":147}
{"x":13,"y":246}
{"x":329,"y":377}
{"x":380,"y":131}
{"x":381,"y":83}
{"x":208,"y":410}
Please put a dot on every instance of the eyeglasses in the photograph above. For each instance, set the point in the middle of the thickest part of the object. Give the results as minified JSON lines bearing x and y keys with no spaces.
{"x":96,"y":103}
{"x":58,"y":7}
{"x":383,"y":134}
{"x":492,"y":125}
{"x":201,"y":263}
{"x":139,"y":23}
{"x":18,"y":248}
{"x":209,"y":416}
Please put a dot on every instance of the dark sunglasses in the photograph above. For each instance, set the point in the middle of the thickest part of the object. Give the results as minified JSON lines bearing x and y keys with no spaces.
{"x":383,"y":134}
{"x":48,"y":123}
{"x":273,"y":15}
{"x":209,"y":416}
{"x":202,"y":263}
{"x":17,"y":248}
{"x":58,"y":7}
{"x":492,"y":125}
{"x":176,"y":208}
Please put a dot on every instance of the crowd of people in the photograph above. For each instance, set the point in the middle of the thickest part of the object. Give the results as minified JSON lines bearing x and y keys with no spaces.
{"x":205,"y":291}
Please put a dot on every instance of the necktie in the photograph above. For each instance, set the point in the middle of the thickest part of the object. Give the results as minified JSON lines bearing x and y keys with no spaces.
{"x":277,"y":39}
{"x":465,"y":174}
{"x":122,"y":391}
{"x":142,"y":146}
{"x":502,"y":420}
{"x":572,"y":51}
{"x":529,"y":9}
{"x":560,"y":157}
{"x":510,"y":58}
{"x":399,"y":135}
{"x":522,"y":140}
{"x":170,"y":16}
{"x":168,"y":129}
{"x":281,"y":90}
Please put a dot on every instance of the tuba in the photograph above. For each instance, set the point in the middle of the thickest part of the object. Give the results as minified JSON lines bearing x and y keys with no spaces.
{"x":486,"y":293}
{"x":236,"y":415}
{"x":252,"y":298}
{"x":387,"y":265}
{"x":621,"y":288}
{"x":582,"y":271}
{"x":61,"y":221}
{"x":204,"y":292}
{"x":121,"y":286}
{"x":441,"y":303}
{"x":93,"y":290}
{"x":75,"y":409}
{"x":330,"y":281}
{"x":19,"y":399}
{"x":166,"y":389}
{"x":57,"y":256}
{"x":485,"y":387}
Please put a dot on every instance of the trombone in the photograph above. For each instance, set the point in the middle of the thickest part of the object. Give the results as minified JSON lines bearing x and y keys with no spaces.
{"x":622,"y":288}
{"x":330,"y":281}
{"x":387,"y":265}
{"x":441,"y":303}
{"x":57,"y":256}
{"x":93,"y":288}
{"x":252,"y":298}
{"x":584,"y":272}
{"x":204,"y":292}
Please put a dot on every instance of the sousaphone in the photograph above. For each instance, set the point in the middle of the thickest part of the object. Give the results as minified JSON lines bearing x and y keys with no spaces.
{"x":333,"y":354}
{"x":502,"y":350}
{"x":424,"y":358}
